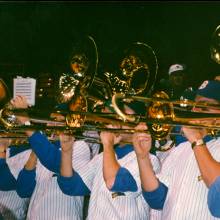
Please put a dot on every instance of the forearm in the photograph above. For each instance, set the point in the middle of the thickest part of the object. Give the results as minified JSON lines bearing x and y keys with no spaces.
{"x":209,"y":167}
{"x":32,"y":162}
{"x":2,"y":155}
{"x":149,"y":180}
{"x":110,"y":166}
{"x":66,"y":168}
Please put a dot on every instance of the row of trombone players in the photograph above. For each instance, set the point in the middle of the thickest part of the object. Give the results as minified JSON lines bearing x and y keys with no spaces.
{"x":124,"y":176}
{"x":127,"y":179}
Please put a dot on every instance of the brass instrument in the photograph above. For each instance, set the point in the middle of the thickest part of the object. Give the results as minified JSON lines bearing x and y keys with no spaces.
{"x":137,"y":71}
{"x":83,"y":63}
{"x":71,"y":119}
{"x":215,"y":45}
{"x":160,"y":114}
{"x":19,"y":139}
{"x":4,"y":93}
{"x":98,"y":93}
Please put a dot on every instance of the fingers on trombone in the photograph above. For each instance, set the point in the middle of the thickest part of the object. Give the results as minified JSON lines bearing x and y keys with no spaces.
{"x":141,"y":126}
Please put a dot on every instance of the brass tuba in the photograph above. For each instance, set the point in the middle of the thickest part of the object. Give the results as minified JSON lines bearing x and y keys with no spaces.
{"x":73,"y":86}
{"x":83,"y":63}
{"x":137,"y":70}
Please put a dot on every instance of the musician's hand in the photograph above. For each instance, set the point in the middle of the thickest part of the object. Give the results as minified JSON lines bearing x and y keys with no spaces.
{"x":19,"y":102}
{"x":108,"y":138}
{"x":4,"y":143}
{"x":66,"y":142}
{"x":32,"y":161}
{"x":141,"y":141}
{"x":194,"y":134}
{"x":57,"y":116}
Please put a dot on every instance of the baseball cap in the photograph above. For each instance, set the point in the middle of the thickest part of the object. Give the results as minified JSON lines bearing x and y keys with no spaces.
{"x":176,"y":67}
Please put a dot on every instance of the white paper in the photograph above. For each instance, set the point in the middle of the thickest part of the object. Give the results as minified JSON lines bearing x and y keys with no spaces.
{"x":25,"y":87}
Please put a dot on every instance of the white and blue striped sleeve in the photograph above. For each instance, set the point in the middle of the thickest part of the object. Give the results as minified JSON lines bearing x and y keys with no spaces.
{"x":133,"y":170}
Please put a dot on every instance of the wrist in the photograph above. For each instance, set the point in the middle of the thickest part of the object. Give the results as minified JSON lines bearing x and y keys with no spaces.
{"x":3,"y":155}
{"x":2,"y":150}
{"x":142,"y":156}
{"x":199,"y":142}
{"x":108,"y":146}
{"x":67,"y":151}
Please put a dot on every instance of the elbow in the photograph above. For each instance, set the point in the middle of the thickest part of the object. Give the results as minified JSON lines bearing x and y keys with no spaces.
{"x":214,"y":213}
{"x":157,"y":206}
{"x":109,"y":183}
{"x":214,"y":209}
{"x":22,"y":194}
{"x":156,"y":198}
{"x":65,"y":188}
{"x":25,"y":192}
{"x":213,"y":198}
{"x":208,"y":181}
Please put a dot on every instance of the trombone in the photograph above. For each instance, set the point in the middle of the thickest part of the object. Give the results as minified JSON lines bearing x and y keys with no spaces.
{"x":160,"y":117}
{"x":160,"y":114}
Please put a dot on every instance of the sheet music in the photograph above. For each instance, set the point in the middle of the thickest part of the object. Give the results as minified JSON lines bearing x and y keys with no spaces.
{"x":25,"y":87}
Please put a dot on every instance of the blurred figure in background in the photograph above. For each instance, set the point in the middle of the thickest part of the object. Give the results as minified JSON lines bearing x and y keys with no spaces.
{"x":177,"y":82}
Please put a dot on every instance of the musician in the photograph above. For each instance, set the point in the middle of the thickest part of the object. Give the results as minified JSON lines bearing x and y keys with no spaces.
{"x":38,"y":181}
{"x":111,"y":178}
{"x":12,"y":160}
{"x":190,"y":174}
{"x":177,"y":82}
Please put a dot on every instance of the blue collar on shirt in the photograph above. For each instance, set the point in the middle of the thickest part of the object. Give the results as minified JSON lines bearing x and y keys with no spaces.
{"x":122,"y":151}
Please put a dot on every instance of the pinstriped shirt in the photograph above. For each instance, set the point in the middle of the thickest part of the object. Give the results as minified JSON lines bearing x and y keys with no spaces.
{"x":47,"y":201}
{"x":11,"y":205}
{"x":187,"y":196}
{"x":130,"y":206}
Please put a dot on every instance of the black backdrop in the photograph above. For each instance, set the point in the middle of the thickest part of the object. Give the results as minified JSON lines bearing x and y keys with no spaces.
{"x":36,"y":36}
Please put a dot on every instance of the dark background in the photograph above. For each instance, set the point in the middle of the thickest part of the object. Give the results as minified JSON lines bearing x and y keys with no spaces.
{"x":35,"y":37}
